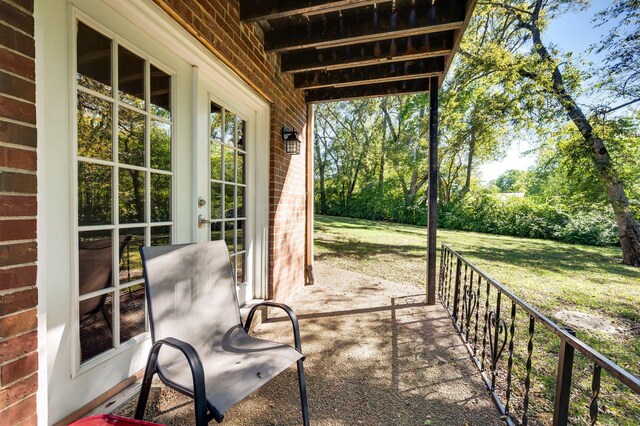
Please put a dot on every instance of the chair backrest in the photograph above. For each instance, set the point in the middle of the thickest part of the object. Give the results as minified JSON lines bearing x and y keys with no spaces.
{"x":95,"y":267}
{"x":190,"y":292}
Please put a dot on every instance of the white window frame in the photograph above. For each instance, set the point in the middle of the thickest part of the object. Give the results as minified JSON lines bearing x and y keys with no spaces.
{"x":78,"y":366}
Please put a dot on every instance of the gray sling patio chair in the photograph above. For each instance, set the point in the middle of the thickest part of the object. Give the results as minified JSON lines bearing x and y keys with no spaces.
{"x":200,"y":347}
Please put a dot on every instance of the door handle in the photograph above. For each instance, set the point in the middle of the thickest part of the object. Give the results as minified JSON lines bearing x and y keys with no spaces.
{"x":202,"y":221}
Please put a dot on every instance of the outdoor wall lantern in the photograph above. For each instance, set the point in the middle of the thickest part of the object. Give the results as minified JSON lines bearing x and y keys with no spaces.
{"x":291,"y":141}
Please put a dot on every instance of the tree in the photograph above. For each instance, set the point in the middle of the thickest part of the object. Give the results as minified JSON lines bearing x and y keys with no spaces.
{"x":512,"y":181}
{"x":520,"y":23}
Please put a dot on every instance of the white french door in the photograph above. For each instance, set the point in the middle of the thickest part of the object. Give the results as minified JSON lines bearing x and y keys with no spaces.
{"x":226,"y":179}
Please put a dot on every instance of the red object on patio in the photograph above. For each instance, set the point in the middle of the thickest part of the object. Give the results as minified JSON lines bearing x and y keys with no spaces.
{"x":108,"y":419}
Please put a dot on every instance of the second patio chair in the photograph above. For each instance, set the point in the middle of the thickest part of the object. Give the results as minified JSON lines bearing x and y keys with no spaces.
{"x":200,"y":346}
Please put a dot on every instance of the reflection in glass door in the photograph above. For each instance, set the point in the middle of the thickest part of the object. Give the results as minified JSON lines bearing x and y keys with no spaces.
{"x":124,"y":126}
{"x":228,"y":153}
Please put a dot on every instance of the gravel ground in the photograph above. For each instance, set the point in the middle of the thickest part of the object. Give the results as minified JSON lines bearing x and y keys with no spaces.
{"x":375,"y":356}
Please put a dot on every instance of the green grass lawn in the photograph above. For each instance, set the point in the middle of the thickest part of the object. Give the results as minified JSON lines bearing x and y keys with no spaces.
{"x":549,"y":275}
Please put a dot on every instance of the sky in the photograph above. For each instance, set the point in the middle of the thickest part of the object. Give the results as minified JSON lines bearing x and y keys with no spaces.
{"x":571,"y":32}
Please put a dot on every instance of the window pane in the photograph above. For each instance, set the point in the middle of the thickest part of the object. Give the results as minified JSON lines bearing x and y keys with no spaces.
{"x":94,"y":127}
{"x":216,"y":161}
{"x":131,"y":202}
{"x":95,"y":265}
{"x":229,"y":237}
{"x":240,"y":233}
{"x":242,"y":125}
{"x":240,"y":203}
{"x":130,"y":78}
{"x":131,"y":137}
{"x":229,"y":128}
{"x":130,"y":261}
{"x":229,"y":201}
{"x":216,"y":231}
{"x":94,"y":194}
{"x":160,"y":235}
{"x":160,"y":145}
{"x":160,"y":197}
{"x":215,"y":121}
{"x":229,"y":165}
{"x":216,"y":200}
{"x":160,"y":93}
{"x":131,"y":312}
{"x":93,"y":60}
{"x":96,"y":336}
{"x":240,"y":158}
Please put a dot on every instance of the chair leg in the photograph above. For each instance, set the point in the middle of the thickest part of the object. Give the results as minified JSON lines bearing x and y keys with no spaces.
{"x":146,"y":385}
{"x":303,"y":394}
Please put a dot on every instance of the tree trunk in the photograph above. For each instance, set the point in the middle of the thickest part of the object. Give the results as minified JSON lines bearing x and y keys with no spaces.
{"x":321,"y":162}
{"x":472,"y":150}
{"x":628,"y":228}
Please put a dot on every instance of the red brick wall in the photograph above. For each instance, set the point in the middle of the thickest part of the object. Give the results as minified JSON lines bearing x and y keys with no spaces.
{"x":218,"y":22}
{"x":18,"y":293}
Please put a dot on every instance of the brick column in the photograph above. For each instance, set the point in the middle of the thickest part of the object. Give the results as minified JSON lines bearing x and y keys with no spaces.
{"x":18,"y":293}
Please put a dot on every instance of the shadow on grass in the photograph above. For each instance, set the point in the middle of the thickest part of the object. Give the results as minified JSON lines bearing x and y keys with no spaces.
{"x":357,"y":249}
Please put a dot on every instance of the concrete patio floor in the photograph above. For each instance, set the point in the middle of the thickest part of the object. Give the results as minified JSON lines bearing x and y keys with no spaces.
{"x":375,"y":356}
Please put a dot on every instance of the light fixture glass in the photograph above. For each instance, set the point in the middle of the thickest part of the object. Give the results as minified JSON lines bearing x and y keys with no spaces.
{"x":291,"y":141}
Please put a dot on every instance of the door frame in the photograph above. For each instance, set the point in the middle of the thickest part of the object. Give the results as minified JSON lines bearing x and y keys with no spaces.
{"x":155,"y":22}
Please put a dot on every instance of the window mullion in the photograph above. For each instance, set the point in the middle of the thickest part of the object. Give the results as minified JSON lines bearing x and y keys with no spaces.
{"x":115,"y":122}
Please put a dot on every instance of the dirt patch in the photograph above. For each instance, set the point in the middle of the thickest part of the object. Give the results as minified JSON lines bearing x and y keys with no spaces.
{"x":584,"y":321}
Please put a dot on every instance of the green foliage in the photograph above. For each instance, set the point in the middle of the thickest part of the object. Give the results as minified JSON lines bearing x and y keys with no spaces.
{"x":526,"y":217}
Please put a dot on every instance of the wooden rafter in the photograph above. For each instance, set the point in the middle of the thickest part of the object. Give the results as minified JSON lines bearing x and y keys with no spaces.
{"x":260,"y":10}
{"x":409,"y":70}
{"x":367,"y":91}
{"x":368,"y":26}
{"x":404,"y":49}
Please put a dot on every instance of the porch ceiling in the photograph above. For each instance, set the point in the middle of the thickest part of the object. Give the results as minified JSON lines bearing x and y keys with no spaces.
{"x":343,"y":49}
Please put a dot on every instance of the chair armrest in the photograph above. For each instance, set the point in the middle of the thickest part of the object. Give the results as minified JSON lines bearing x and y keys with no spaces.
{"x":290,"y":313}
{"x":195,"y":364}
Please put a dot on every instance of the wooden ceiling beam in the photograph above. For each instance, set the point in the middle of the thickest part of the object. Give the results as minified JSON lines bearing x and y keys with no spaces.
{"x":373,"y":74}
{"x":368,"y":26}
{"x":260,"y":10}
{"x":367,"y":91}
{"x":397,"y":50}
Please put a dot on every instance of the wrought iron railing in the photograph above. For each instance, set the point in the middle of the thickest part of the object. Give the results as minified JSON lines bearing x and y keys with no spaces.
{"x":499,"y":330}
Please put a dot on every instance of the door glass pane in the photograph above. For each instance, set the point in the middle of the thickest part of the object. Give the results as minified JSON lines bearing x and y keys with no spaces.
{"x":160,"y":135}
{"x":130,"y":241}
{"x":241,"y":268}
{"x":229,"y":235}
{"x":229,"y":128}
{"x":241,"y":133}
{"x":131,"y":137}
{"x":160,"y":197}
{"x":131,"y":195}
{"x":160,"y":93}
{"x":216,"y":161}
{"x":240,"y":201}
{"x":229,"y":165}
{"x":216,"y":200}
{"x":240,"y":235}
{"x":241,"y":161}
{"x":132,"y":320}
{"x":94,"y":194}
{"x":229,"y":205}
{"x":93,"y":60}
{"x":130,"y":78}
{"x":94,"y":127}
{"x":160,"y":235}
{"x":215,"y":122}
{"x":216,"y":231}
